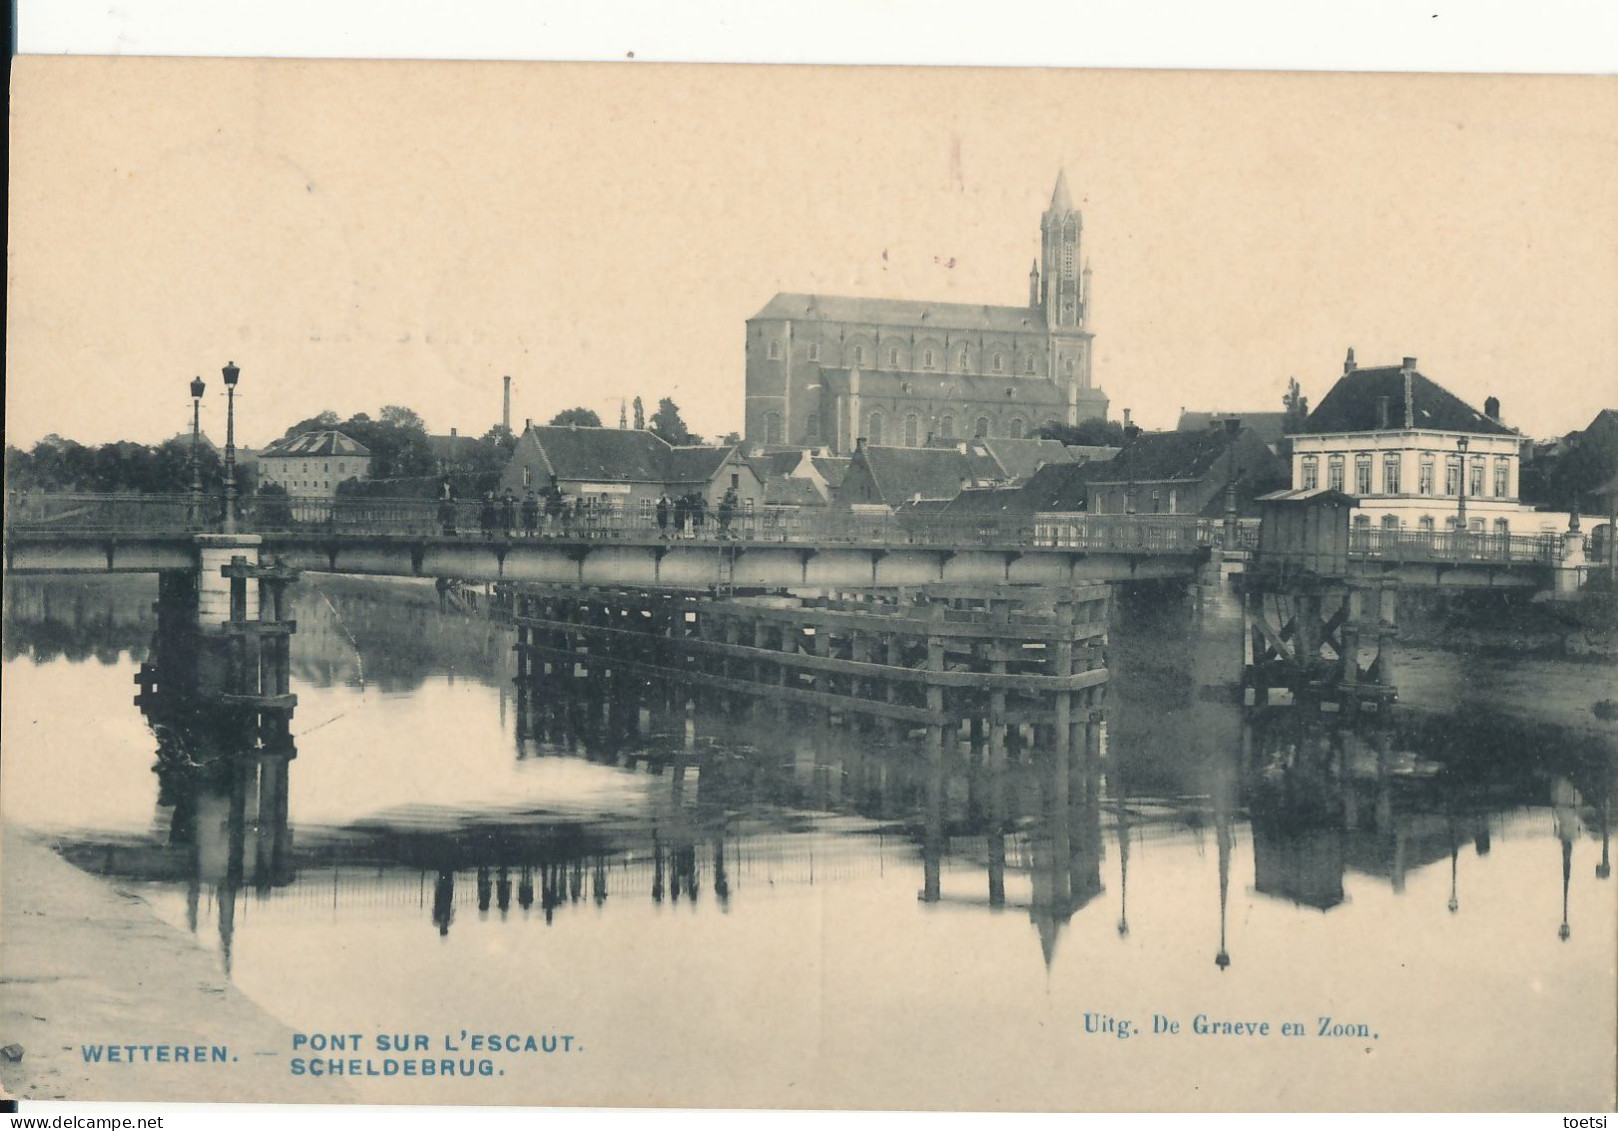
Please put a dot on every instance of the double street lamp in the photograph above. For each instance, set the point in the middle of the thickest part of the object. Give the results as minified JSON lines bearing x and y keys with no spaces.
{"x":232,"y":374}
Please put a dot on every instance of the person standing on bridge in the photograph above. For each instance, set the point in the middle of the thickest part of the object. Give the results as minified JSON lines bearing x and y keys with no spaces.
{"x":508,"y":511}
{"x":663,"y":515}
{"x":530,"y":514}
{"x":488,"y":515}
{"x":727,"y":511}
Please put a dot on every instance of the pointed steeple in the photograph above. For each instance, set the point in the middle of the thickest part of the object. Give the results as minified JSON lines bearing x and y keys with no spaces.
{"x":1033,"y":284}
{"x":1061,"y":199}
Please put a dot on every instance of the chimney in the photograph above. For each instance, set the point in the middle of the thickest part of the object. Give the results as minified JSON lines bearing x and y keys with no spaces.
{"x":1408,"y":365}
{"x":527,"y":424}
{"x":1382,"y":414}
{"x":1233,"y":425}
{"x":1491,"y":408}
{"x":505,"y":411}
{"x":1348,"y":362}
{"x":453,"y":433}
{"x":1126,"y":420}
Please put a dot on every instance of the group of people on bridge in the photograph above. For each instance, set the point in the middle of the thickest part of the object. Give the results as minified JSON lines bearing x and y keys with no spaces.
{"x":550,"y":512}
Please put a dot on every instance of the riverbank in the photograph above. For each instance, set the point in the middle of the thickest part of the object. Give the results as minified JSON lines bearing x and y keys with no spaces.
{"x":84,"y":963}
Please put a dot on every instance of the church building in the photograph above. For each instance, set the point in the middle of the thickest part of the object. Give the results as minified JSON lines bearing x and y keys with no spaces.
{"x":824,"y":371}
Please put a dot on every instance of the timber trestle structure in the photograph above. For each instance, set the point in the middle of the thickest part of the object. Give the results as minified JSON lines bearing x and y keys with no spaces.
{"x":991,"y":659}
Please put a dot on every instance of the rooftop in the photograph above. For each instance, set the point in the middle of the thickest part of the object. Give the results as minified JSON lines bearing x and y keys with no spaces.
{"x":306,"y":444}
{"x":901,"y":312}
{"x":1354,"y":405}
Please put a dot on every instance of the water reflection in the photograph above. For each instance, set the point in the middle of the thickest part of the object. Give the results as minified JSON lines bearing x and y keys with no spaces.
{"x":733,"y":797}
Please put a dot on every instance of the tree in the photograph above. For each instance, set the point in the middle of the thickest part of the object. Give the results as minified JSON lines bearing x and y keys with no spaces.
{"x":401,"y":417}
{"x":320,"y":422}
{"x":666,"y":423}
{"x":1297,"y":406}
{"x":1086,"y":433}
{"x":583,"y":417}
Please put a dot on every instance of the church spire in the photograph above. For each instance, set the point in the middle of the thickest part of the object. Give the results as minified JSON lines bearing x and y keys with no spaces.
{"x":1061,"y":199}
{"x":1033,"y":284}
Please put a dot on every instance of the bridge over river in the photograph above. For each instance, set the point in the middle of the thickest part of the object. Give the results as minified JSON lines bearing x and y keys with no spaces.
{"x":771,"y":548}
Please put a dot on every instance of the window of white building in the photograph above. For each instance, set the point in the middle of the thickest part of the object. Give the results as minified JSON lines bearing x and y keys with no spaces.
{"x":1362,"y":474}
{"x":1309,"y":473}
{"x":1502,"y":477}
{"x":1334,"y":473}
{"x":1390,"y":473}
{"x":1424,"y":476}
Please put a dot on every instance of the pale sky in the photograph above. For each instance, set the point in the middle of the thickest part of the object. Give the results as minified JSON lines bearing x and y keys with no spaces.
{"x":356,"y":234}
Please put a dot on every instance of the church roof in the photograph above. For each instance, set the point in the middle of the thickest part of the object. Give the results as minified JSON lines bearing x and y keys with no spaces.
{"x":902,"y":312}
{"x":1351,"y":405}
{"x":1036,"y":391}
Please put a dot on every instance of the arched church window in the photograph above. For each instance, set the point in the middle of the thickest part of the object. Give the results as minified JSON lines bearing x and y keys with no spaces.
{"x":946,"y":427}
{"x":811,"y":428}
{"x":999,"y":363}
{"x":775,"y":351}
{"x":1070,"y":367}
{"x":814,"y":351}
{"x":966,"y":361}
{"x":982,"y":428}
{"x":1015,"y":429}
{"x":1028,"y":364}
{"x":926,"y":359}
{"x":874,"y":431}
{"x":912,"y":430}
{"x":893,"y":357}
{"x":772,"y":427}
{"x":859,"y":355}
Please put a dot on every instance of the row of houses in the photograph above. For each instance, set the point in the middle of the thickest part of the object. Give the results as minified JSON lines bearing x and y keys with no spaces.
{"x":1414,"y":456}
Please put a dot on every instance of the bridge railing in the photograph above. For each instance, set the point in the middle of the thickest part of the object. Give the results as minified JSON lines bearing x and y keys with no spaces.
{"x":475,"y":519}
{"x":1455,"y":546}
{"x":108,"y":513}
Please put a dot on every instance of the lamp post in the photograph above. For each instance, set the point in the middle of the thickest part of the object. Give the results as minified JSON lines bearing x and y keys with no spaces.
{"x":197,"y":387}
{"x":1460,"y":510}
{"x":232,"y":375}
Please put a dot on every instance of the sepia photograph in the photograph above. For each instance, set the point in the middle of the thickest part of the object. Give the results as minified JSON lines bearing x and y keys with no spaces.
{"x":809,"y":587}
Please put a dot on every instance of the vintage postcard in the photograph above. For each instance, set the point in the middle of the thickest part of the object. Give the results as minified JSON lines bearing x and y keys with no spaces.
{"x":809,"y":587}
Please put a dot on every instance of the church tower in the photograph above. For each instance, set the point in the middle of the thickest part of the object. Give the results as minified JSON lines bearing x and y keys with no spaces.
{"x":1064,"y":297}
{"x":1060,"y":231}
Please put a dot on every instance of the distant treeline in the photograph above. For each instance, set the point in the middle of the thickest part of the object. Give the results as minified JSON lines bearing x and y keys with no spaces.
{"x":55,"y":464}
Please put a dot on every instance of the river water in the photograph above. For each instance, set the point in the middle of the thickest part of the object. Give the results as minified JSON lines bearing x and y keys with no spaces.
{"x":729,"y":903}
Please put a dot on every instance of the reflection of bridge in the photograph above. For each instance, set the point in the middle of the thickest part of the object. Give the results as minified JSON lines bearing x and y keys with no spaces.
{"x":771,"y":547}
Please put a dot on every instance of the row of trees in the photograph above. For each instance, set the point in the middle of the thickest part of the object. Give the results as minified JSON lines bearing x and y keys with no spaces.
{"x":56,"y":464}
{"x":666,"y":421}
